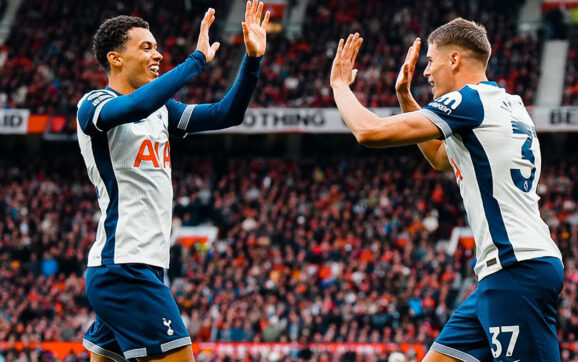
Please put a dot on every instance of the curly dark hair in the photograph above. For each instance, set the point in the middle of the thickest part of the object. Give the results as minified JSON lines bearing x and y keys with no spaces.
{"x":112,"y":35}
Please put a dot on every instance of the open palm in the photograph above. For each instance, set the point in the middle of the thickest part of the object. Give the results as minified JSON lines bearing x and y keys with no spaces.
{"x":405,"y":75}
{"x":203,"y":44}
{"x":255,"y":32}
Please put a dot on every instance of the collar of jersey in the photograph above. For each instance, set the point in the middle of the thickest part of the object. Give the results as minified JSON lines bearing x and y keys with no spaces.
{"x":487,"y":82}
{"x":112,"y":90}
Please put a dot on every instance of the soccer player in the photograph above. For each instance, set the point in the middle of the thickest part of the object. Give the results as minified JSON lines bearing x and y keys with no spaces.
{"x":488,"y":138}
{"x":124,"y":138}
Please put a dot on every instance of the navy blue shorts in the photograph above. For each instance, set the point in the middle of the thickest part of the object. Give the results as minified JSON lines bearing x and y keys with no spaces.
{"x":511,"y":316}
{"x":136,"y":314}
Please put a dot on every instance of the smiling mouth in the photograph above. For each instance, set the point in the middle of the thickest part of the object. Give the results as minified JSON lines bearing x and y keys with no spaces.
{"x":154,"y":69}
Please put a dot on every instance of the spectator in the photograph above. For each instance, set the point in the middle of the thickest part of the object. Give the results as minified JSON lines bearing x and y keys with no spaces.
{"x":328,"y":259}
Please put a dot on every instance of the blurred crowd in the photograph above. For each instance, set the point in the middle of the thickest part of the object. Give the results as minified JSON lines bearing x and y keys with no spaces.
{"x":297,"y":70}
{"x":49,"y":68}
{"x":3,"y":6}
{"x":325,"y":249}
{"x":570,"y":97}
{"x":316,"y":249}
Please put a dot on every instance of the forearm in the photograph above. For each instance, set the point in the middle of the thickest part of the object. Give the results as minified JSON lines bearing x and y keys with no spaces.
{"x":150,"y":97}
{"x":406,"y":102}
{"x":230,"y":111}
{"x":435,"y":153}
{"x":433,"y":150}
{"x":373,"y":131}
{"x":359,"y":119}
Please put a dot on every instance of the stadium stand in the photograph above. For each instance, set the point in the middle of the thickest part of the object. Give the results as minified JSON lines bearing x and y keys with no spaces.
{"x":306,"y":252}
{"x":571,"y":86}
{"x":49,"y":69}
{"x":3,"y":4}
{"x":297,"y":69}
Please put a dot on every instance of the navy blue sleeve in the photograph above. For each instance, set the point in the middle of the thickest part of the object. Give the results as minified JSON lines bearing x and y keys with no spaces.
{"x":228,"y":112}
{"x":179,"y":115}
{"x":456,"y":112}
{"x":88,"y":109}
{"x":139,"y":104}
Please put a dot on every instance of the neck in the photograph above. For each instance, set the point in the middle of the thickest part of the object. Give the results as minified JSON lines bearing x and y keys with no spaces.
{"x":120,"y":83}
{"x":470,"y":77}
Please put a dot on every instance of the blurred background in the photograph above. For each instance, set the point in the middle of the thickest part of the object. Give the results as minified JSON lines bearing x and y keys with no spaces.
{"x":290,"y":241}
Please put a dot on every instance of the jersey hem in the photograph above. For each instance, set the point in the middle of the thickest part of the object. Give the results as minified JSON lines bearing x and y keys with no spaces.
{"x":96,"y":263}
{"x":520,"y":257}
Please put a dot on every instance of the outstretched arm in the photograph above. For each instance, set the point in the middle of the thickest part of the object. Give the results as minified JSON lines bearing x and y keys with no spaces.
{"x":103,"y":111}
{"x":369,"y":129}
{"x":230,"y":111}
{"x":434,"y":150}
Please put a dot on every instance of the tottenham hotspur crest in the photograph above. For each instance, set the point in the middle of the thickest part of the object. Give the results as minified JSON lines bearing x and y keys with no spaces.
{"x":170,"y":331}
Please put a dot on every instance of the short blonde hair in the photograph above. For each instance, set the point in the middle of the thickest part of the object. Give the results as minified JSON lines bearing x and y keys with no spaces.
{"x":465,"y":34}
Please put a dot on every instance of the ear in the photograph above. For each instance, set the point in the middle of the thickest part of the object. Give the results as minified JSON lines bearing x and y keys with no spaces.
{"x":455,"y":59}
{"x":115,"y":59}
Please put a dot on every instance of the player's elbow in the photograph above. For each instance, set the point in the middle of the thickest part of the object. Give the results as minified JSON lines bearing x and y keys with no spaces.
{"x":437,"y":166}
{"x":369,"y":139}
{"x":237,"y":118}
{"x":228,"y":116}
{"x":231,"y":119}
{"x":367,"y":142}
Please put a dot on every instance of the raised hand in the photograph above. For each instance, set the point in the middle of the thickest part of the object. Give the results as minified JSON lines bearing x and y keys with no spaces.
{"x":403,"y":83}
{"x":203,"y":44}
{"x":255,"y":32}
{"x":342,"y":72}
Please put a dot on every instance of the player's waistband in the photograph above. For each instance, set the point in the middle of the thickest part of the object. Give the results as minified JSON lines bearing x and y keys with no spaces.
{"x":537,"y":266}
{"x":538,"y":257}
{"x":128,"y":267}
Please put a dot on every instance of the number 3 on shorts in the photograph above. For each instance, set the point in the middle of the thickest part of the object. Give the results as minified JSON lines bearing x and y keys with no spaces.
{"x":495,"y":331}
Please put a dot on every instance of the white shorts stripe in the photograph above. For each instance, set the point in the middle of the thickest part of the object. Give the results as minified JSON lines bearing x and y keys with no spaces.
{"x":102,"y":352}
{"x":136,"y":353}
{"x":452,"y":352}
{"x":175,"y":344}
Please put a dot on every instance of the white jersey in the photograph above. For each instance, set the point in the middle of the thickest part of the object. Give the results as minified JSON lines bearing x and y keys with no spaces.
{"x":130,"y":167}
{"x":492,"y":145}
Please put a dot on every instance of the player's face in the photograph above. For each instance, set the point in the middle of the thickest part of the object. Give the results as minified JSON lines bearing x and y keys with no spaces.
{"x":438,"y":71}
{"x":141,"y":57}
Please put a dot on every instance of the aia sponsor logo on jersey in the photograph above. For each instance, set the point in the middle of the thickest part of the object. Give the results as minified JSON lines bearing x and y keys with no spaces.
{"x":150,"y":153}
